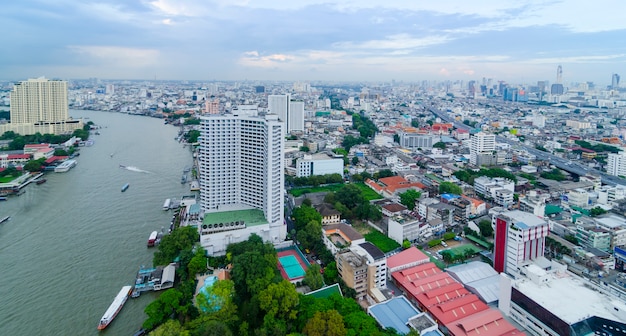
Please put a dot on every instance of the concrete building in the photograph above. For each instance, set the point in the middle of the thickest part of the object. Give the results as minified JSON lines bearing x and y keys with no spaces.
{"x":616,"y":164}
{"x":416,"y":140}
{"x":340,"y":236}
{"x":352,"y":269}
{"x":295,"y":116}
{"x":520,"y":237}
{"x":482,"y":146}
{"x":40,"y":105}
{"x":551,"y":301}
{"x":404,"y":227}
{"x":241,"y":164}
{"x":364,"y":268}
{"x":499,"y":189}
{"x":319,"y":164}
{"x":290,"y":112}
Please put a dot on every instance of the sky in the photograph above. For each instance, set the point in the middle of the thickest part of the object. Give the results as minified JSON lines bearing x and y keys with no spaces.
{"x":300,"y":40}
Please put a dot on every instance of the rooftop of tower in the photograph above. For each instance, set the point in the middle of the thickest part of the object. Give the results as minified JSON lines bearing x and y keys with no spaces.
{"x":250,"y":217}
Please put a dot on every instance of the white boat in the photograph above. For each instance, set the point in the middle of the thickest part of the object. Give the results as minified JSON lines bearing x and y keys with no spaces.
{"x":166,"y":205}
{"x":65,"y":166}
{"x":115,"y":307}
{"x":4,"y":219}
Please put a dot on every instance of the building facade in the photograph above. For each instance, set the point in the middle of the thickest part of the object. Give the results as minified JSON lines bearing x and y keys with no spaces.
{"x":40,"y":105}
{"x":520,"y":237}
{"x":318,"y":164}
{"x":241,"y":164}
{"x":482,"y":149}
{"x":616,"y":164}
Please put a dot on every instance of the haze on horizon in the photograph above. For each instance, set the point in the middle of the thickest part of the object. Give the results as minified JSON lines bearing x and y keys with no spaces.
{"x":352,"y":40}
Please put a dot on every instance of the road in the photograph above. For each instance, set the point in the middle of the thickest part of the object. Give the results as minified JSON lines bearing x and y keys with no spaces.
{"x":564,"y":164}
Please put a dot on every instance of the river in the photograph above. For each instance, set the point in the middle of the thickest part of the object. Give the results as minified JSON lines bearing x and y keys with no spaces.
{"x":74,"y":241}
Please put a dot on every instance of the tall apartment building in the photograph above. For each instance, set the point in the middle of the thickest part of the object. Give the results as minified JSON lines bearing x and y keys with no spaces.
{"x":616,"y":164}
{"x":482,"y":149}
{"x":289,"y":111}
{"x":520,"y":237}
{"x":40,"y":105}
{"x":241,"y":163}
{"x":363,"y":267}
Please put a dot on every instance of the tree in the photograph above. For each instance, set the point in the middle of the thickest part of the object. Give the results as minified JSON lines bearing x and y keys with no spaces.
{"x":486,"y":230}
{"x":209,"y":326}
{"x":252,"y":273}
{"x":309,"y":235}
{"x":409,"y":197}
{"x":303,"y":215}
{"x":450,"y":188}
{"x":307,"y":202}
{"x":383,"y":173}
{"x":161,"y":309}
{"x":170,"y":328}
{"x":33,"y":166}
{"x":349,"y":195}
{"x":171,"y":245}
{"x":440,"y":145}
{"x":597,"y":211}
{"x":279,"y":300}
{"x":198,"y":263}
{"x":328,"y":323}
{"x":355,"y":160}
{"x":415,"y":123}
{"x":406,"y":244}
{"x":304,"y":149}
{"x":313,"y":277}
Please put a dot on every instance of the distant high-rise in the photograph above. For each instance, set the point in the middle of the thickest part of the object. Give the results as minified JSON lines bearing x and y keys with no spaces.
{"x":259,"y":89}
{"x":289,"y":111}
{"x":482,"y":148}
{"x":559,"y":75}
{"x":615,"y":81}
{"x":616,"y":165}
{"x":557,"y":88}
{"x":40,"y":105}
{"x":241,"y":163}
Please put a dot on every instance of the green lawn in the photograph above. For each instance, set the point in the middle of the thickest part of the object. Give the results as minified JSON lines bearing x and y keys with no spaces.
{"x":7,"y":179}
{"x":366,"y":191}
{"x":296,"y":192}
{"x":381,"y":241}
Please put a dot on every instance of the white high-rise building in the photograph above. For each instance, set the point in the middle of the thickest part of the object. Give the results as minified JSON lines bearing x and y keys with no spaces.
{"x":481,"y":144}
{"x":241,"y":163}
{"x":295,"y":116}
{"x":616,"y":164}
{"x":40,"y":105}
{"x":279,"y":105}
{"x":289,"y":111}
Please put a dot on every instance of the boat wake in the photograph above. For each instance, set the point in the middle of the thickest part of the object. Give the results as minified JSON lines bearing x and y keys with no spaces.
{"x":135,"y":169}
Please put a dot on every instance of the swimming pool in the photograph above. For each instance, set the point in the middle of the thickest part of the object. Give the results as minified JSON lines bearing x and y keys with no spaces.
{"x":292,"y":266}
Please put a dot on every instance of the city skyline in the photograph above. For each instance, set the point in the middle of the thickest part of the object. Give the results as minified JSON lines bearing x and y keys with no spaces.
{"x":522,"y":41}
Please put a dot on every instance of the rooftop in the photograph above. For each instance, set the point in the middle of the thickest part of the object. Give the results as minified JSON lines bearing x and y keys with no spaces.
{"x":394,"y":313}
{"x":524,"y":220}
{"x":325,"y":292}
{"x":250,"y":217}
{"x":373,"y":251}
{"x":406,"y":257}
{"x":563,"y":294}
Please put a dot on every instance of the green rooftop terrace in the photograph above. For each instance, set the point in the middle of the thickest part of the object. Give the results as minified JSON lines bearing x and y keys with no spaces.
{"x":250,"y":217}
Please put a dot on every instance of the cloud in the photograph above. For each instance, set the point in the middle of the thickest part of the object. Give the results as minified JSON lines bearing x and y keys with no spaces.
{"x":399,"y":41}
{"x":118,"y":56}
{"x":253,"y":59}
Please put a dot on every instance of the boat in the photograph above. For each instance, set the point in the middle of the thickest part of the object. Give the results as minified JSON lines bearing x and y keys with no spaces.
{"x":3,"y":198}
{"x":122,"y":166}
{"x":115,"y":307}
{"x":166,"y":205}
{"x":65,"y":166}
{"x":4,"y":219}
{"x":40,"y":181}
{"x":183,"y":179}
{"x":153,"y":238}
{"x":125,"y":187}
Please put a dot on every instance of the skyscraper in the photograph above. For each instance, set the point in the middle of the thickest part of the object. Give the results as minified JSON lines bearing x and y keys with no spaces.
{"x":557,"y":88}
{"x":520,"y":236}
{"x":289,"y":111}
{"x":616,"y":165}
{"x":241,"y":180}
{"x":40,"y":105}
{"x":614,"y":81}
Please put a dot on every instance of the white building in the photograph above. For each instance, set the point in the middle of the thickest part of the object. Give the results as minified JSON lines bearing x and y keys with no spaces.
{"x":616,"y":164}
{"x":241,"y":165}
{"x":578,"y":197}
{"x":520,"y":236}
{"x":295,"y":116}
{"x":481,"y":144}
{"x":415,"y":140}
{"x":40,"y":105}
{"x":318,"y":164}
{"x":499,"y":189}
{"x":548,"y":300}
{"x":400,"y":228}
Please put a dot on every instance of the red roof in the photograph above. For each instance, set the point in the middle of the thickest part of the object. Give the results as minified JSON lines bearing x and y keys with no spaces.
{"x":487,"y":322}
{"x":414,"y":285}
{"x":409,"y":256}
{"x":392,"y":180}
{"x":442,"y":294}
{"x":43,"y":145}
{"x":18,"y":156}
{"x":450,"y":311}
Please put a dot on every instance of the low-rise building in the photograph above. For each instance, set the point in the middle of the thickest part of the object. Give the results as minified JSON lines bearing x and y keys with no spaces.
{"x":319,"y":164}
{"x":340,"y":236}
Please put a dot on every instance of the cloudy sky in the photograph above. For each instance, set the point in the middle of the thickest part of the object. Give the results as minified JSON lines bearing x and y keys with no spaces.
{"x":373,"y":40}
